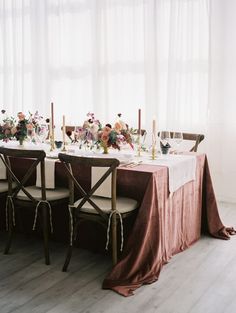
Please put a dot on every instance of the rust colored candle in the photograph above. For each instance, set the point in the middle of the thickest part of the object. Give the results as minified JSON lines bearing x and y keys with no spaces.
{"x":139,"y":121}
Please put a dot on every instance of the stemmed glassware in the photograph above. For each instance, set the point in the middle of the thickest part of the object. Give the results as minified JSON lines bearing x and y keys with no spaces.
{"x":42,"y":132}
{"x":177,"y":138}
{"x":164,"y":137}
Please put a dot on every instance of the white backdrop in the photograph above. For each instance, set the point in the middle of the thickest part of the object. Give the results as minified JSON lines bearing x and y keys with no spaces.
{"x":107,"y":56}
{"x":221,"y":130}
{"x":174,"y":59}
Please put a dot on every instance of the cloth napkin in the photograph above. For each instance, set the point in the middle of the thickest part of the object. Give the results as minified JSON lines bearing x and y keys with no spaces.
{"x":181,"y":168}
{"x":49,"y":174}
{"x":3,"y":172}
{"x":104,"y":190}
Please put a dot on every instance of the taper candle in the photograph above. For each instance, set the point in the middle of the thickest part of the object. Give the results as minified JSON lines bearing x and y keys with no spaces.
{"x":154,"y":138}
{"x":64,"y":128}
{"x":139,"y":121}
{"x":52,"y":139}
{"x":64,"y":132}
{"x":154,"y":131}
{"x":52,"y":114}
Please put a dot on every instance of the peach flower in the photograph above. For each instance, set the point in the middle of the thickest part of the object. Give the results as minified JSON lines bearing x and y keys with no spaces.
{"x":21,"y":116}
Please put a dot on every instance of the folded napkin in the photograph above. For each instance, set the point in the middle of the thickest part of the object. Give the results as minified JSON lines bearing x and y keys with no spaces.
{"x":181,"y":168}
{"x":104,"y":190}
{"x":3,"y":172}
{"x":49,"y":174}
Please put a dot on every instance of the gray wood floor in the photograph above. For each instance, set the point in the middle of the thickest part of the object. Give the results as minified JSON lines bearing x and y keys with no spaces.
{"x":201,"y":279}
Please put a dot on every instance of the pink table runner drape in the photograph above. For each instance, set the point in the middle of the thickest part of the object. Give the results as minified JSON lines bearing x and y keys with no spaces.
{"x":165,"y":224}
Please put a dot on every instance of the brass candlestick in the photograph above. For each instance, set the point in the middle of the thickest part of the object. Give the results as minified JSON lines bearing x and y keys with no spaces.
{"x":153,"y":152}
{"x":63,"y":146}
{"x":154,"y":141}
{"x":52,"y":142}
{"x":64,"y":133}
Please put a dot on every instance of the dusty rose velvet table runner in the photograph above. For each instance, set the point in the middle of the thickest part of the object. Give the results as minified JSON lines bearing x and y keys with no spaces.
{"x":165,"y":225}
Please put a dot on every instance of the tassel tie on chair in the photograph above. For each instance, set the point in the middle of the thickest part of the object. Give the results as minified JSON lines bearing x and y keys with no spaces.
{"x":9,"y":200}
{"x":36,"y":214}
{"x":121,"y":229}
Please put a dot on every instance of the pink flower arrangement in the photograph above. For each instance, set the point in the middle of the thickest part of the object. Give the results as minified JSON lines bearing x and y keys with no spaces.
{"x":10,"y":127}
{"x":115,"y":136}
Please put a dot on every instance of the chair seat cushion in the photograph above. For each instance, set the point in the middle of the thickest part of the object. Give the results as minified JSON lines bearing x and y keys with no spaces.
{"x":3,"y":186}
{"x":51,"y":194}
{"x":123,"y":205}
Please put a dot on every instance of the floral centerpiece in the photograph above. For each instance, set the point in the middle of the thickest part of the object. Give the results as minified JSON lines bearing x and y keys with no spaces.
{"x":6,"y":127}
{"x":25,"y":126}
{"x":21,"y":128}
{"x":87,"y":134}
{"x":114,"y":136}
{"x":92,"y":134}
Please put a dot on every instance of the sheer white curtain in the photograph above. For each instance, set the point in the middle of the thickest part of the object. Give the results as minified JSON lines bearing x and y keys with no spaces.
{"x":221,"y":130}
{"x":107,"y":56}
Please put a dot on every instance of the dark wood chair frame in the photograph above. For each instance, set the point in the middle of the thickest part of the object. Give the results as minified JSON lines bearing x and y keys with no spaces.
{"x":44,"y":207}
{"x":76,"y":214}
{"x":193,"y":137}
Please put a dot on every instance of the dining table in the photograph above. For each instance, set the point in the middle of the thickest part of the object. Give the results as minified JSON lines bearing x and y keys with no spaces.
{"x":167,"y":221}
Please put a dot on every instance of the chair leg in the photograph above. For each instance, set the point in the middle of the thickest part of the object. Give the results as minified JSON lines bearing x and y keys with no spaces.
{"x":114,"y":239}
{"x":72,"y":231}
{"x":67,"y":260}
{"x":44,"y":212}
{"x":10,"y":228}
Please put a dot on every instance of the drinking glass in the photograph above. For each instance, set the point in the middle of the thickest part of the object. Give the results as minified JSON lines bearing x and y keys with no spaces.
{"x":31,"y":135}
{"x":177,"y":138}
{"x":42,"y":132}
{"x":164,"y":137}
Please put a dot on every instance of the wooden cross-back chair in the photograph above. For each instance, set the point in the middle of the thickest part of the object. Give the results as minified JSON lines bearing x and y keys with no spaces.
{"x":20,"y":194}
{"x":105,"y":211}
{"x":196,"y":138}
{"x":192,"y":137}
{"x":3,"y":190}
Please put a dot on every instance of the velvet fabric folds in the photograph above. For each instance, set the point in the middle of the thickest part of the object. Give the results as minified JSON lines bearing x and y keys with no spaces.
{"x":166,"y":224}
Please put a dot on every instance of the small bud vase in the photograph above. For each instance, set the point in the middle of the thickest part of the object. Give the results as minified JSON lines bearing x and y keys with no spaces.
{"x":105,"y":149}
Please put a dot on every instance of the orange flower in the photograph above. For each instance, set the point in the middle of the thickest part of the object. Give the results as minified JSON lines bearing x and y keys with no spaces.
{"x":105,"y":137}
{"x":29,"y":126}
{"x":13,"y":130}
{"x":118,"y":126}
{"x":21,"y":116}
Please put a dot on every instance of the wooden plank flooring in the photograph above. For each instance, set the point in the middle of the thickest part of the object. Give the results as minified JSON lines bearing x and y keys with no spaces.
{"x":201,"y":279}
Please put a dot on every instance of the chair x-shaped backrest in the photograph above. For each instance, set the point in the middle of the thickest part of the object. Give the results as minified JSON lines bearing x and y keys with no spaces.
{"x":69,"y":161}
{"x":192,"y":137}
{"x":38,"y":156}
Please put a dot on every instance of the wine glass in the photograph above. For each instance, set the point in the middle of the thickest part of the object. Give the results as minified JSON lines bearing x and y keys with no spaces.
{"x":164,"y":141}
{"x":42,"y":132}
{"x":177,"y":138}
{"x":31,"y":135}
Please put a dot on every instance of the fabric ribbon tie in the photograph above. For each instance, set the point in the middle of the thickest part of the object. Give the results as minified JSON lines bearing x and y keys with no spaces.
{"x":36,"y":214}
{"x":121,"y":229}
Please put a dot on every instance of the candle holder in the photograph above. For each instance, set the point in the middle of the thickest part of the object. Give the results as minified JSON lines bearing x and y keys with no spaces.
{"x":63,"y":146}
{"x":154,"y":156}
{"x":139,"y":145}
{"x":52,"y":142}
